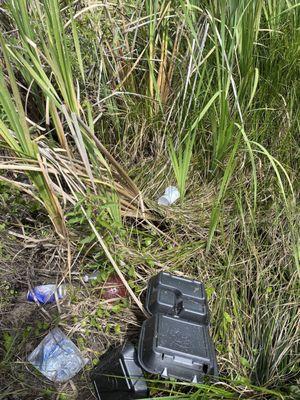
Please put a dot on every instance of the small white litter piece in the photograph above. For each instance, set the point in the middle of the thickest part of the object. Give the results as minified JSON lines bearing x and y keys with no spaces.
{"x":92,"y":277}
{"x":169,"y":197}
{"x":57,"y":357}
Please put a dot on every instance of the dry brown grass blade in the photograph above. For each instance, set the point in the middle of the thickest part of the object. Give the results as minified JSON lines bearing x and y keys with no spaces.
{"x":23,"y":168}
{"x":122,"y":173}
{"x":21,"y":186}
{"x":76,"y":133}
{"x":162,"y":73}
{"x":172,"y":61}
{"x":59,"y":128}
{"x":59,"y":222}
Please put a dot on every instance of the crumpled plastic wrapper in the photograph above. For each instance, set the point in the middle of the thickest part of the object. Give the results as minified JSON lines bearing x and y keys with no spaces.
{"x":169,"y":197}
{"x":57,"y":357}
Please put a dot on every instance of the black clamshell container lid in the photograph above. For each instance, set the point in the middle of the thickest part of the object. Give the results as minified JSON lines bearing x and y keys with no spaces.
{"x":177,"y":296}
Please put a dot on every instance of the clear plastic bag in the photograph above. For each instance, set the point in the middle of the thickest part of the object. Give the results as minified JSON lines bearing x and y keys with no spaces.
{"x":57,"y":357}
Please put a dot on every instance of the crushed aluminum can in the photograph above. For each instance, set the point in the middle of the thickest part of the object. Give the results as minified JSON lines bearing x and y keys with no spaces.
{"x":45,"y":294}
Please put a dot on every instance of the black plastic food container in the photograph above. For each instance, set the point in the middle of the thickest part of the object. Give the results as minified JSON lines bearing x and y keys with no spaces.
{"x":119,"y":376}
{"x":174,"y":295}
{"x":176,"y":348}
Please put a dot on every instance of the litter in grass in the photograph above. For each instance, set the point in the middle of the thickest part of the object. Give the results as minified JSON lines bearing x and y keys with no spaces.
{"x":91,"y":277}
{"x":45,"y":294}
{"x":174,"y":342}
{"x":169,"y":197}
{"x":177,"y":296}
{"x":57,"y":357}
{"x":119,"y":375}
{"x":113,"y":288}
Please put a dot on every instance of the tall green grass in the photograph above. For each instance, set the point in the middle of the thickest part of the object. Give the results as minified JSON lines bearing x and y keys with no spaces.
{"x":24,"y":147}
{"x":44,"y":58}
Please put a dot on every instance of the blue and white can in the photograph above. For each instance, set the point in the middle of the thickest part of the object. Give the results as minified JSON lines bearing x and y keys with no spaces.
{"x":45,"y":294}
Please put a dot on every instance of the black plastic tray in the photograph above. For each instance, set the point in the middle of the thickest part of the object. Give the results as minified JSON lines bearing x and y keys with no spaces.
{"x":176,"y":348}
{"x":174,"y":295}
{"x":118,"y":376}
